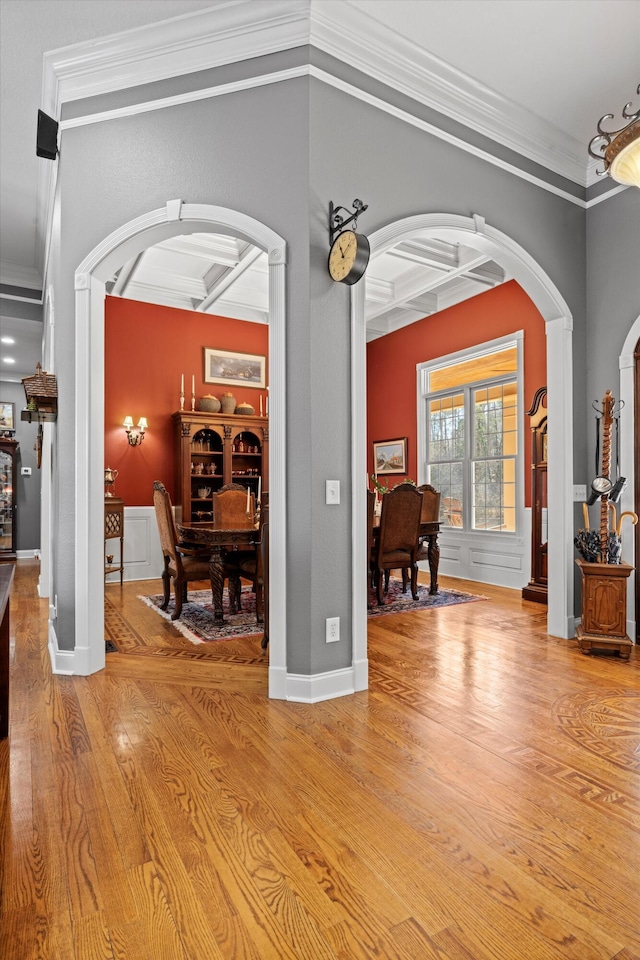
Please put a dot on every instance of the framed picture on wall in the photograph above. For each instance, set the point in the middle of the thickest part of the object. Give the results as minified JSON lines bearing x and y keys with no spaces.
{"x":390,"y":456}
{"x":7,"y":416}
{"x":234,"y":369}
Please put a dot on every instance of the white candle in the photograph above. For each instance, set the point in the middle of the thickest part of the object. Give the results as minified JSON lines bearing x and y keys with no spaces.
{"x":267,"y":405}
{"x":259,"y":488}
{"x":182,"y":384}
{"x":248,"y":501}
{"x":193,"y":385}
{"x":260,"y":404}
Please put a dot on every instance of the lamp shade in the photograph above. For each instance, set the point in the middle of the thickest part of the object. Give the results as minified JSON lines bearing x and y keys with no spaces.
{"x":128,"y":422}
{"x":624,"y":156}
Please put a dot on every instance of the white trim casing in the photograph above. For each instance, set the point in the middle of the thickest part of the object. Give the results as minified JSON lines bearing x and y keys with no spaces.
{"x":475,"y":233}
{"x":628,"y":465}
{"x":498,"y":558}
{"x":172,"y":219}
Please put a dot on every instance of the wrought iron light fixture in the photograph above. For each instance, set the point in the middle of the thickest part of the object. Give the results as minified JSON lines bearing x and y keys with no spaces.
{"x":619,"y":150}
{"x":135,"y":437}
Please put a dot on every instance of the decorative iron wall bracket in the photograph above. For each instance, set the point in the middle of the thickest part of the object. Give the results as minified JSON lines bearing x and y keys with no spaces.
{"x":337,"y":222}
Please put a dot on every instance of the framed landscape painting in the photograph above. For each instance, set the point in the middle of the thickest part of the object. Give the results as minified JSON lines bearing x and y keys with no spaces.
{"x":390,"y":456}
{"x":7,"y":416}
{"x":234,"y":369}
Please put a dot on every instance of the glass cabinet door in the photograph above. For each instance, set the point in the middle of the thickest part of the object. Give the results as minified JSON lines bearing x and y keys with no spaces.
{"x":7,"y":512}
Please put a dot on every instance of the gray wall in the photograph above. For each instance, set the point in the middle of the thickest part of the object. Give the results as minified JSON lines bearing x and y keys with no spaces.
{"x":613,"y":292}
{"x":280,"y":153}
{"x":28,"y":488}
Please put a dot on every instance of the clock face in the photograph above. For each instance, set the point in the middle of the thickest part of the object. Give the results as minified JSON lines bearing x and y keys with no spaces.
{"x":348,"y":257}
{"x":602,"y":484}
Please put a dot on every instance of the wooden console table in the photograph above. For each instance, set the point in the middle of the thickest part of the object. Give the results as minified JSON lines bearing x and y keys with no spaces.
{"x":114,"y":527}
{"x":604,"y":607}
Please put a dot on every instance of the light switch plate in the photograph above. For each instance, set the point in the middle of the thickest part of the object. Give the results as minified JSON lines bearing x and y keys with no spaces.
{"x":579,"y":492}
{"x":25,"y":471}
{"x":332,"y":491}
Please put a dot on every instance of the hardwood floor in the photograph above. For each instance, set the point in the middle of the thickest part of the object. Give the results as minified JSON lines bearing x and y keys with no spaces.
{"x":481,"y":801}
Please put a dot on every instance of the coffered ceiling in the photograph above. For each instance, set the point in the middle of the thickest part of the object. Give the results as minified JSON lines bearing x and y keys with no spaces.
{"x":544,"y":70}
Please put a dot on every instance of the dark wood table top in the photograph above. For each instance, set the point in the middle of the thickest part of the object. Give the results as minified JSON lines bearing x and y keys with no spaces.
{"x":219,"y":536}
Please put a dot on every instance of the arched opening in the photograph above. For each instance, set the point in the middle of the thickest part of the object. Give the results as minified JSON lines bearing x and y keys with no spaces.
{"x":519,"y":265}
{"x":629,"y":457}
{"x":90,"y":278}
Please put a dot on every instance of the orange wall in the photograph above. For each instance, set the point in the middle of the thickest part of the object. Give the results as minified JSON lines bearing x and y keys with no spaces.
{"x":391,"y":363}
{"x":147,"y":349}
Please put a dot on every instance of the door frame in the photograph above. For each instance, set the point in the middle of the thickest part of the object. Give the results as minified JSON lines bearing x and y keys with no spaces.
{"x":629,"y":453}
{"x":519,"y":265}
{"x":91,"y":276}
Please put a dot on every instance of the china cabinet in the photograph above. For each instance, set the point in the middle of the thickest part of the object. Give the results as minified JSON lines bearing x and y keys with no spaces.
{"x":536,"y":589}
{"x":8,"y":473}
{"x":213,"y":449}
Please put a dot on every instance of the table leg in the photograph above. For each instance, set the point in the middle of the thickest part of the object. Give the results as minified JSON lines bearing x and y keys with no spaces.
{"x":433,"y":555}
{"x":217,"y":581}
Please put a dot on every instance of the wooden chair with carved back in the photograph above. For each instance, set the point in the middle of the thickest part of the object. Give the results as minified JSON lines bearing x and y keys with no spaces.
{"x":397,"y":545}
{"x":182,"y":564}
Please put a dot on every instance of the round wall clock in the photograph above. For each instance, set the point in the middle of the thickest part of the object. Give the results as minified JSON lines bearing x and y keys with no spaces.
{"x":349,"y":257}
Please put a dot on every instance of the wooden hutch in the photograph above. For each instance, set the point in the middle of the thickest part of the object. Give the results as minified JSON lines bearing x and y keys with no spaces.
{"x":213,"y":449}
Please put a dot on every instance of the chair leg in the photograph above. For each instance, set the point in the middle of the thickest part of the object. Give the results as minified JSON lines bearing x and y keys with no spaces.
{"x":414,"y":581}
{"x":258,"y":588}
{"x":379,"y":587}
{"x":180,"y":590}
{"x":233,"y":589}
{"x":405,"y":579}
{"x":166,"y":586}
{"x":387,"y":574}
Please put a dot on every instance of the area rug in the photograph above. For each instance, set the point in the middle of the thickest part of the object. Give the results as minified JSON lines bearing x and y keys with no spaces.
{"x":395,"y":601}
{"x":197,"y":624}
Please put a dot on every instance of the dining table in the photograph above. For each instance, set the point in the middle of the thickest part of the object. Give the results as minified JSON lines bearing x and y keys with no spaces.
{"x":429,"y":531}
{"x":219,"y":540}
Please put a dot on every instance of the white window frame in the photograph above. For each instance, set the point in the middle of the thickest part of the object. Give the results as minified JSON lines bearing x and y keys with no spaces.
{"x":423,"y":394}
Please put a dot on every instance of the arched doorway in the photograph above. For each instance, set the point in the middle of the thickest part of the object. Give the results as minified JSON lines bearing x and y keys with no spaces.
{"x":90,"y":278}
{"x":474,"y":232}
{"x":629,"y":457}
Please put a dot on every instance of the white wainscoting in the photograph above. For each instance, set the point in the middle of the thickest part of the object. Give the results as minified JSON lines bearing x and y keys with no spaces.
{"x":142,"y":554}
{"x":505,"y":562}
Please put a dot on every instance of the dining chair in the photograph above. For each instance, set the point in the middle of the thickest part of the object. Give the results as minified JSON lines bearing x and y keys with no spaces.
{"x":397,"y":544}
{"x":182,"y":563}
{"x":230,"y":506}
{"x":430,"y":514}
{"x":250,"y":565}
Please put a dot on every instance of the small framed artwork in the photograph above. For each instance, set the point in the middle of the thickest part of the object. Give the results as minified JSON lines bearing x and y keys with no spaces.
{"x":234,"y":369}
{"x":390,"y":456}
{"x":7,"y":416}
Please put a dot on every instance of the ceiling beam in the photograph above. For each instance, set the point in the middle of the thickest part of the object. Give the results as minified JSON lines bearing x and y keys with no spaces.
{"x":126,"y":275}
{"x":248,"y":258}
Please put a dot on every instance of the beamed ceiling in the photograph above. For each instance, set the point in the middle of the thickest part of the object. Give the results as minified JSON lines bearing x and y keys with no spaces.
{"x":224,"y":276}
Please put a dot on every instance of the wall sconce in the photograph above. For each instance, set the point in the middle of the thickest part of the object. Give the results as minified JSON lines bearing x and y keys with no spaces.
{"x":134,"y":436}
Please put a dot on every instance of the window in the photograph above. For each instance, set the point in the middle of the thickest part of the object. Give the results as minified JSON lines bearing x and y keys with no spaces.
{"x":470,"y":423}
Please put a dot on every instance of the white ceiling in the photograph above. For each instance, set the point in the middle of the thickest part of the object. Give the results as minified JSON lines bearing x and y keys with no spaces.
{"x":559,"y":61}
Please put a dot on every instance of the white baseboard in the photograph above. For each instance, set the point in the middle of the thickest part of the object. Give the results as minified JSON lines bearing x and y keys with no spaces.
{"x":320,"y":686}
{"x":28,"y":554}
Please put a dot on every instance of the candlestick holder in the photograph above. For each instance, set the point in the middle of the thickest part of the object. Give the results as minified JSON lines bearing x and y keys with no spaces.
{"x":181,"y":402}
{"x":193,"y":401}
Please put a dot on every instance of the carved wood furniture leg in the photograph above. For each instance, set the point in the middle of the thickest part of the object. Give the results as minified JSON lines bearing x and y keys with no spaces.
{"x":217,"y":581}
{"x":433,"y":556}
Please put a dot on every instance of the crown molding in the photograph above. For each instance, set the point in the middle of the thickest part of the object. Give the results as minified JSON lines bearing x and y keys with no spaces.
{"x":237,"y":30}
{"x":17,"y":275}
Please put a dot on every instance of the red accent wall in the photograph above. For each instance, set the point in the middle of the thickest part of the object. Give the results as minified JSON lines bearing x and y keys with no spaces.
{"x":147,"y":349}
{"x":391,"y":363}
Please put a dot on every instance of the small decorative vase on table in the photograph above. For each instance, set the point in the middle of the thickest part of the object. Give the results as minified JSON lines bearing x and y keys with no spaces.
{"x":209,"y":404}
{"x":228,"y":403}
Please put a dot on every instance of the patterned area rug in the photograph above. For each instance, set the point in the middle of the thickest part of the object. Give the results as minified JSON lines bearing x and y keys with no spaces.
{"x":395,"y":601}
{"x":196,"y":621}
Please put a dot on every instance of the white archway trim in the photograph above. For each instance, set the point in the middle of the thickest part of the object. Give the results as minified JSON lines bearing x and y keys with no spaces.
{"x":130,"y":239}
{"x":627,"y":463}
{"x":474,"y":232}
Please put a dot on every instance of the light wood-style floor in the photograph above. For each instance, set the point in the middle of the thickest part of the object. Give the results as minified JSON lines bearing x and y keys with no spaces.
{"x":481,"y":801}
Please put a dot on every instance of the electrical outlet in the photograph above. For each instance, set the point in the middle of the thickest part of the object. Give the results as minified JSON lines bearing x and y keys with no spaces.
{"x":25,"y":471}
{"x":333,"y":629}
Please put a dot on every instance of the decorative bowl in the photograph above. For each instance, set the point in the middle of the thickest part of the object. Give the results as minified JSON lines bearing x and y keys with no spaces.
{"x":209,"y":404}
{"x":245,"y":410}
